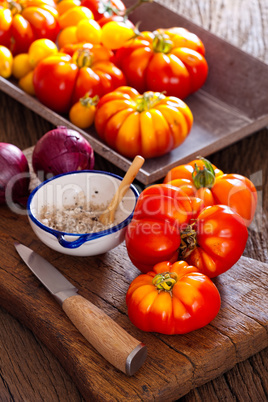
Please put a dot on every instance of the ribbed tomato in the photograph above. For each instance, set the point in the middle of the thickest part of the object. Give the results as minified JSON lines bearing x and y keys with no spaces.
{"x":153,"y":235}
{"x":199,"y":178}
{"x":150,"y":124}
{"x":166,"y":60}
{"x":172,"y":299}
{"x":61,"y":80}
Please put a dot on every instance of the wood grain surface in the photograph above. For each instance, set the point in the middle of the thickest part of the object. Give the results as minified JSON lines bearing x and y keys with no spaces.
{"x":174,"y":364}
{"x":28,"y":370}
{"x":232,"y":103}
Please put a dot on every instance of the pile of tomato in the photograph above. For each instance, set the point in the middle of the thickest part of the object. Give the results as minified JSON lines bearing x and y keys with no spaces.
{"x":69,"y":54}
{"x":86,"y":60}
{"x":185,"y":231}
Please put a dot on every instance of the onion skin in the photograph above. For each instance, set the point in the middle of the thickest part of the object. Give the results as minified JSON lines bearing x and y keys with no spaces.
{"x":14,"y":174}
{"x":62,"y":150}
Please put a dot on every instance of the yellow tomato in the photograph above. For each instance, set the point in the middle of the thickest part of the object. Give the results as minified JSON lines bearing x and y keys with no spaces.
{"x":26,"y":83}
{"x":72,"y":16}
{"x":21,"y":65}
{"x":82,"y":113}
{"x":116,"y":34}
{"x":88,"y":30}
{"x":67,"y":36}
{"x":65,"y":5}
{"x":6,"y":62}
{"x":40,"y":49}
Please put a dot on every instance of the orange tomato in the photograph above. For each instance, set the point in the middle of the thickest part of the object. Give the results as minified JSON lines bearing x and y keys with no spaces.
{"x":73,"y":16}
{"x":148,"y":124}
{"x":82,"y":113}
{"x":199,"y":178}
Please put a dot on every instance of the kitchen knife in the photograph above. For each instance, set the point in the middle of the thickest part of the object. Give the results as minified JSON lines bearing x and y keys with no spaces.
{"x":104,"y":334}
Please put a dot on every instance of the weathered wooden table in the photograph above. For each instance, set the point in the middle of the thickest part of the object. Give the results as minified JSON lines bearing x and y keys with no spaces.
{"x":30,"y":372}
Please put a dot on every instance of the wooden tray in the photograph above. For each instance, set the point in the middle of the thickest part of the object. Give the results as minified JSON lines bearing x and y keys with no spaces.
{"x":175,"y":364}
{"x":232,"y":104}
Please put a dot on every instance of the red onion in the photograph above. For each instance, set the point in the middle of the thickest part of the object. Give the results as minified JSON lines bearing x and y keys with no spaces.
{"x":62,"y":150}
{"x":14,"y":175}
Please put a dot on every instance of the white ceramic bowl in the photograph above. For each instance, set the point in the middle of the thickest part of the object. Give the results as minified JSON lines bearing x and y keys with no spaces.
{"x":98,"y":188}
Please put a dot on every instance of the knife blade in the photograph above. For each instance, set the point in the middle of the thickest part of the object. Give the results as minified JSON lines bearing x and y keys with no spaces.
{"x":115,"y":344}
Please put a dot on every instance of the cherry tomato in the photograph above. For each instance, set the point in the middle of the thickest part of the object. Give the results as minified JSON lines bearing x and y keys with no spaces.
{"x":89,"y":31}
{"x":24,"y":21}
{"x":64,"y":5}
{"x":82,"y":113}
{"x":39,"y":49}
{"x":67,"y":36}
{"x":116,"y":34}
{"x":73,"y":16}
{"x":21,"y":65}
{"x":6,"y":62}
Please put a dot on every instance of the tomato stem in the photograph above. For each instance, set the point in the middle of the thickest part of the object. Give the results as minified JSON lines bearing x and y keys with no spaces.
{"x":148,"y":100}
{"x":161,"y":43}
{"x":204,"y":177}
{"x":15,"y":8}
{"x":165,"y":281}
{"x":188,"y":241}
{"x":88,"y":101}
{"x":108,"y":8}
{"x":83,"y":58}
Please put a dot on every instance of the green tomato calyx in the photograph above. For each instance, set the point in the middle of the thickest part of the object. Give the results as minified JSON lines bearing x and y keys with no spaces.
{"x":15,"y":7}
{"x":165,"y":281}
{"x":88,"y":101}
{"x":204,"y":177}
{"x":148,"y":100}
{"x":161,"y":43}
{"x":83,"y":58}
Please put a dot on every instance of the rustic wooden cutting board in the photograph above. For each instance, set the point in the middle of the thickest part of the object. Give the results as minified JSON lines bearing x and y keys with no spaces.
{"x":175,"y":364}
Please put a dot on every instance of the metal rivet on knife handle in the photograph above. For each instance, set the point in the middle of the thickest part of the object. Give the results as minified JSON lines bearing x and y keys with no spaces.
{"x":105,"y":335}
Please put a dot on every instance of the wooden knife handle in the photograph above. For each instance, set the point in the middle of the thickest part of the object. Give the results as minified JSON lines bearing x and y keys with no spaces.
{"x":105,"y":335}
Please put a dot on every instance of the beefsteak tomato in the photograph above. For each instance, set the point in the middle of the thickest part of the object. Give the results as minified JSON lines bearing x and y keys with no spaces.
{"x":166,"y":60}
{"x":199,"y":178}
{"x":215,"y":241}
{"x":23,"y":21}
{"x":153,"y":235}
{"x":61,"y":80}
{"x":149,"y":125}
{"x":165,"y":227}
{"x":172,"y":299}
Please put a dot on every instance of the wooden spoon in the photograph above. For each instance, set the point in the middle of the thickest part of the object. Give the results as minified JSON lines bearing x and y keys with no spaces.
{"x":108,"y":215}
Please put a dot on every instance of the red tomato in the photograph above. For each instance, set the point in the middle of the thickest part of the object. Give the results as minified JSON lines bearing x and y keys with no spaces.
{"x":199,"y":178}
{"x":61,"y":80}
{"x":105,"y":11}
{"x":22,"y":22}
{"x":166,"y":60}
{"x":54,"y":81}
{"x":165,"y":227}
{"x":149,"y":125}
{"x":216,"y":241}
{"x":172,"y":299}
{"x":153,"y":235}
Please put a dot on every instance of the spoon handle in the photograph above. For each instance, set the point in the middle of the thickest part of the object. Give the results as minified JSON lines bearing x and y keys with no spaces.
{"x":108,"y":216}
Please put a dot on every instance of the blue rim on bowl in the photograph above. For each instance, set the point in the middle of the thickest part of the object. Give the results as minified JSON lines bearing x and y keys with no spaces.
{"x":85,"y":236}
